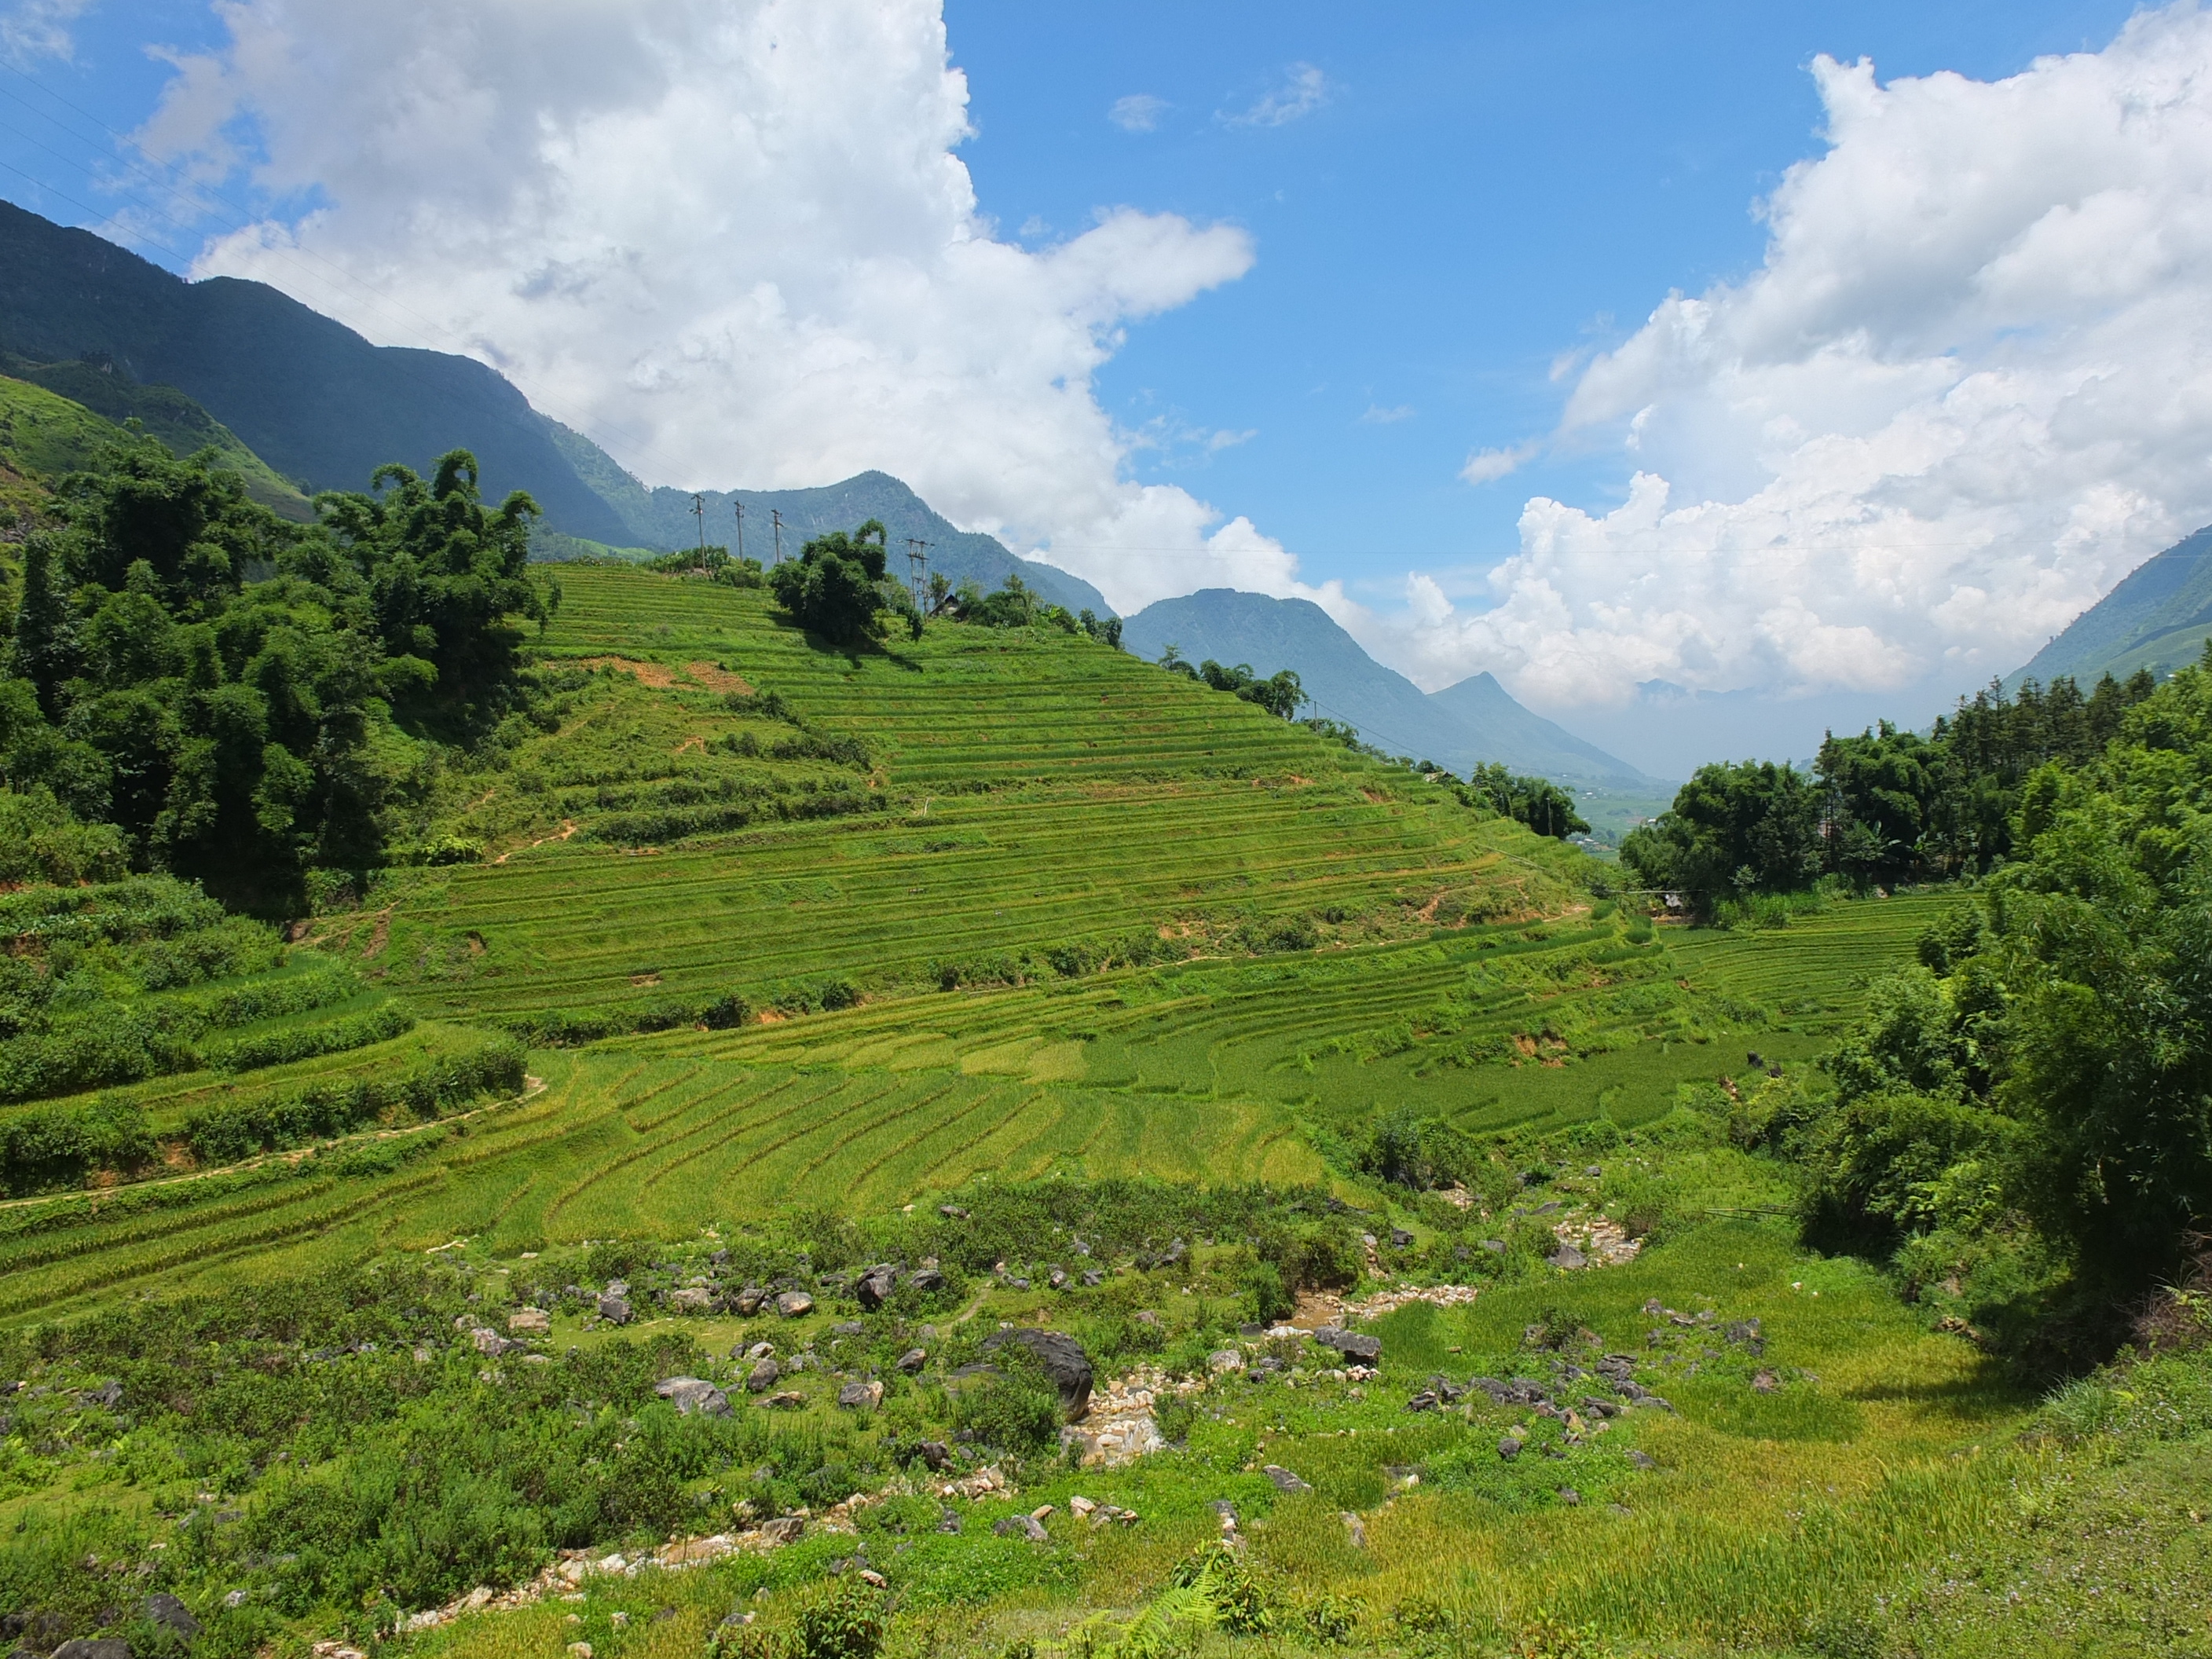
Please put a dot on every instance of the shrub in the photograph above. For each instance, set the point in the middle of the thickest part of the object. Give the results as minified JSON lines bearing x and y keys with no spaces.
{"x":1017,"y":1410}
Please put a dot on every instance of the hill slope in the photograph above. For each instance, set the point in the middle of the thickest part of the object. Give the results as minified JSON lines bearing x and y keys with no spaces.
{"x":2158,"y":617}
{"x":1460,"y":727}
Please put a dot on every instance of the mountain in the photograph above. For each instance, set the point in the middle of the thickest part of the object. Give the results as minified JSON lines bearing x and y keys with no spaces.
{"x":323,"y":407}
{"x":1459,"y":727}
{"x":2158,"y":617}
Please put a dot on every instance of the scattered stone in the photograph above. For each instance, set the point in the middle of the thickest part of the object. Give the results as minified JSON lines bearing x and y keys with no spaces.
{"x":784,"y":1530}
{"x":949,"y":1521}
{"x":1509,"y":1448}
{"x":1223,"y":1360}
{"x":1041,"y":1511}
{"x":1227,"y":1511}
{"x":1146,"y":1316}
{"x":1642,"y":1459}
{"x":88,"y":1647}
{"x":1352,"y":1345}
{"x":1355,"y":1529}
{"x":861,"y":1397}
{"x":1598,"y":1407}
{"x":748,"y":1300}
{"x":1057,"y":1278}
{"x":793,"y":1304}
{"x":1495,"y":1246}
{"x":952,"y":1213}
{"x":1093,"y":1277}
{"x":913,"y":1360}
{"x":788,"y":1399}
{"x":1080,"y":1506}
{"x":235,"y":1598}
{"x":1283,"y":1480}
{"x":1022,"y":1526}
{"x":1765,"y":1382}
{"x":758,"y":1351}
{"x":1400,"y":1239}
{"x":165,"y":1610}
{"x":848,"y":1328}
{"x":693,"y":1393}
{"x":491,"y":1343}
{"x":529,"y":1321}
{"x":869,"y":1575}
{"x":614,"y":1308}
{"x":762,"y":1376}
{"x":1063,"y":1361}
{"x":692,"y":1299}
{"x":936,"y":1454}
{"x":1568,"y":1257}
{"x":1745,"y":1333}
{"x":1569,"y":1497}
{"x":877,"y":1285}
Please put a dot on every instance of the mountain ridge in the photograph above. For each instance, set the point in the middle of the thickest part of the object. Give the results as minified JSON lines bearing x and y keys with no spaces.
{"x":2158,"y":616}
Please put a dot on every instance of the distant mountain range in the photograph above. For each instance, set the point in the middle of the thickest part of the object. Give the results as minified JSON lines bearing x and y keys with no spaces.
{"x":324,"y":408}
{"x":1458,"y":727}
{"x":2158,"y":617}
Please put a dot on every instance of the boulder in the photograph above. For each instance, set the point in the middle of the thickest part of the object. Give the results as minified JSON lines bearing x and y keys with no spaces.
{"x":913,"y":1360}
{"x":491,"y":1343}
{"x":748,"y":1300}
{"x":109,"y":1394}
{"x":1352,"y":1345}
{"x":1509,"y":1448}
{"x":614,"y":1308}
{"x":792,"y":1303}
{"x":1223,"y":1360}
{"x":94,"y":1647}
{"x":784,"y":1530}
{"x":1283,"y":1480}
{"x":952,"y":1213}
{"x":1400,"y":1239}
{"x":693,"y":1393}
{"x":1063,"y":1360}
{"x":165,"y":1610}
{"x":876,"y":1285}
{"x":924,"y":1278}
{"x":848,"y":1328}
{"x":936,"y":1454}
{"x":1568,"y":1257}
{"x":529,"y":1321}
{"x":1022,"y":1526}
{"x":758,"y":1351}
{"x":692,"y":1299}
{"x":861,"y":1397}
{"x":762,"y":1376}
{"x":789,"y":1400}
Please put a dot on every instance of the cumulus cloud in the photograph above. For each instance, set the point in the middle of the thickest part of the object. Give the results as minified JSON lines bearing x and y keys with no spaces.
{"x":1305,"y":89}
{"x":1139,"y":111}
{"x":1969,"y":387}
{"x":30,"y":29}
{"x":1488,"y":465}
{"x":730,"y":238}
{"x":1376,"y":414}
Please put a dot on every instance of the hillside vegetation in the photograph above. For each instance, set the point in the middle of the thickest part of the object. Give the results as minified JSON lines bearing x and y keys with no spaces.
{"x":959,"y":1141}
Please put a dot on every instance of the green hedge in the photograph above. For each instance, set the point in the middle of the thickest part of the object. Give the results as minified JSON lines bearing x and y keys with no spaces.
{"x":225,"y":1134}
{"x":334,"y":1036}
{"x":58,"y":1146}
{"x":122,"y":1045}
{"x":572,"y":1027}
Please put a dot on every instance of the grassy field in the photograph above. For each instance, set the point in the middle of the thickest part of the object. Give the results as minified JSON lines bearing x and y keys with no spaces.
{"x":1125,"y":974}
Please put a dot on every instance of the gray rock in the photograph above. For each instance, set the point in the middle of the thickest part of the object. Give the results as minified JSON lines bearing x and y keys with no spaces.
{"x":792,"y":1303}
{"x":165,"y":1610}
{"x":693,"y":1393}
{"x":748,"y":1300}
{"x":936,"y":1454}
{"x":789,"y":1400}
{"x":1355,"y":1529}
{"x":491,"y":1343}
{"x":952,"y":1213}
{"x":784,"y":1530}
{"x":94,"y":1647}
{"x":1352,"y":1345}
{"x":1642,"y":1459}
{"x":861,"y":1397}
{"x":1400,"y":1239}
{"x":949,"y":1521}
{"x":1569,"y":1497}
{"x":1226,"y":1510}
{"x":762,"y":1376}
{"x":1509,"y":1448}
{"x":1283,"y":1480}
{"x":875,"y":1284}
{"x":1765,"y":1382}
{"x":848,"y":1328}
{"x":1495,"y":1246}
{"x":1022,"y":1526}
{"x":924,"y":1278}
{"x":1057,"y":1278}
{"x":1093,"y":1277}
{"x":692,"y":1299}
{"x":758,"y":1351}
{"x":614,"y":1308}
{"x":1063,"y":1360}
{"x":1569,"y":1257}
{"x":108,"y":1395}
{"x":913,"y":1360}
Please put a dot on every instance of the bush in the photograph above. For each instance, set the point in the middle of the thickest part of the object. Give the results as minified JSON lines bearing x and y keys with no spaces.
{"x":1017,"y":1410}
{"x":225,"y":1134}
{"x":1260,"y":1290}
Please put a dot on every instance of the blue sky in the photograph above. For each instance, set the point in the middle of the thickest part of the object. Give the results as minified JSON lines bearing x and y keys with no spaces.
{"x":1241,"y":290}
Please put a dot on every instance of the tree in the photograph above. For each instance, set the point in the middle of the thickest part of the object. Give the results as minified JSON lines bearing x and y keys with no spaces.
{"x":836,"y":588}
{"x":1537,"y":802}
{"x":1733,"y":829}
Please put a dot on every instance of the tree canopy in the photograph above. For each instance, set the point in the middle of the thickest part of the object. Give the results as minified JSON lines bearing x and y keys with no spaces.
{"x":837,"y":589}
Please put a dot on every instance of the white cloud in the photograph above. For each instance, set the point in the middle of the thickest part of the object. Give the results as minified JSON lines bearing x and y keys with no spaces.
{"x":1139,"y":111}
{"x":677,"y":230}
{"x":1305,"y":89}
{"x":1488,"y":465}
{"x":1378,"y":416}
{"x":1969,"y":387}
{"x":30,"y":29}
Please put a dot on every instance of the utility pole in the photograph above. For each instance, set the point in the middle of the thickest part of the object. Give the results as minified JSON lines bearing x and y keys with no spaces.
{"x":740,"y":506}
{"x":775,"y":517}
{"x":699,"y":512}
{"x":917,"y":560}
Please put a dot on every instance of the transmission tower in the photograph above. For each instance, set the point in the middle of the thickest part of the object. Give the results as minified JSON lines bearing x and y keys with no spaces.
{"x":917,"y":560}
{"x":775,"y":517}
{"x":699,"y":512}
{"x":740,"y":506}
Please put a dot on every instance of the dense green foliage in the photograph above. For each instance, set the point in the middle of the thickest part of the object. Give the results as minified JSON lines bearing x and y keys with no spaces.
{"x":836,"y":588}
{"x":1537,"y":802}
{"x":1279,"y":693}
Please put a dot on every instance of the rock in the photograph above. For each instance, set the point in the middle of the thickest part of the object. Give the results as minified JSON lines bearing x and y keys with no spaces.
{"x":1057,"y":1278}
{"x":762,"y":1376}
{"x":913,"y":1360}
{"x":1352,"y":1345}
{"x":1569,"y":1257}
{"x":1598,"y":1407}
{"x":1495,"y":1246}
{"x":1018,"y":1284}
{"x":792,"y":1303}
{"x":1355,"y":1529}
{"x":1424,"y":1402}
{"x":949,"y":1521}
{"x":1022,"y":1526}
{"x":924,"y":1278}
{"x":615,"y":1309}
{"x":952,"y":1213}
{"x":108,"y":1395}
{"x":1223,"y":1360}
{"x":235,"y":1598}
{"x":861,"y":1397}
{"x":693,"y":1393}
{"x":936,"y":1454}
{"x":692,"y":1299}
{"x":848,"y":1328}
{"x":1509,"y":1448}
{"x":580,"y":1650}
{"x":165,"y":1610}
{"x":875,"y":1284}
{"x":1283,"y":1480}
{"x":1569,"y":1497}
{"x":1063,"y":1360}
{"x":1093,"y":1277}
{"x":1079,"y":1506}
{"x":784,"y":1530}
{"x":748,"y":1300}
{"x":1765,"y":1382}
{"x":1400,"y":1239}
{"x":870,"y":1577}
{"x":1642,"y":1459}
{"x":94,"y":1647}
{"x":491,"y":1343}
{"x":529,"y":1321}
{"x":1041,"y":1511}
{"x":1147,"y":1316}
